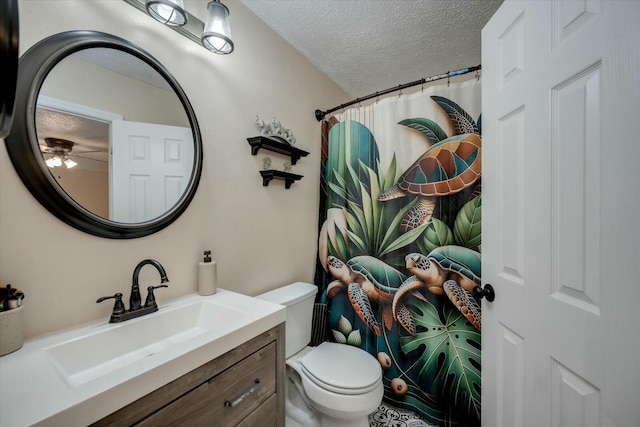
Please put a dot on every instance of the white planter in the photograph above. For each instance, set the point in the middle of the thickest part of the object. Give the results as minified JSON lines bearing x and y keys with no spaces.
{"x":11,"y":330}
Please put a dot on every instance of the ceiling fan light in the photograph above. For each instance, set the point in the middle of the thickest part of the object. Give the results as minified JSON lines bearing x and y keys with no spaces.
{"x":169,"y":12}
{"x":217,"y":31}
{"x":70,"y":163}
{"x":50,"y":162}
{"x":57,"y":161}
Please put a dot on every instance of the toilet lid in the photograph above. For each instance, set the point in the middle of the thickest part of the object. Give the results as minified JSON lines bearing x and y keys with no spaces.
{"x":342,"y":368}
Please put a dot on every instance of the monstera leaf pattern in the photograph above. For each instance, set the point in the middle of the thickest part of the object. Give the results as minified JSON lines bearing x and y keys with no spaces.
{"x":450,"y":359}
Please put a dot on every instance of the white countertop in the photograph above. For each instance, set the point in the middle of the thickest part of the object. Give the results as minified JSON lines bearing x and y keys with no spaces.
{"x":34,"y":392}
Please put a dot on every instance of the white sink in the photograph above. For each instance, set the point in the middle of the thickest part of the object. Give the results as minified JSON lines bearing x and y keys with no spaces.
{"x":88,"y":357}
{"x":74,"y":377}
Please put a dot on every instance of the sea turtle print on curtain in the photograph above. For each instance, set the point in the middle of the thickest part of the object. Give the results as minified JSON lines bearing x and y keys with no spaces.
{"x":399,"y":251}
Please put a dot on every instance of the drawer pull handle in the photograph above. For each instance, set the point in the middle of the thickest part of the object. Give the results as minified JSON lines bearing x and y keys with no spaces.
{"x":244,"y":395}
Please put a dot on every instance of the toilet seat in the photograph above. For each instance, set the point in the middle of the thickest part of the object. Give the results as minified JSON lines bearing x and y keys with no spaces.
{"x":324,"y":391}
{"x":341,"y":369}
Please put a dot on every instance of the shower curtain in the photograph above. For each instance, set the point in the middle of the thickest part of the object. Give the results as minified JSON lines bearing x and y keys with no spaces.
{"x":399,"y":245}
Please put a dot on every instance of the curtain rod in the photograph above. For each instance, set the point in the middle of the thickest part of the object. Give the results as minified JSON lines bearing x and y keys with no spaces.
{"x":321,"y":114}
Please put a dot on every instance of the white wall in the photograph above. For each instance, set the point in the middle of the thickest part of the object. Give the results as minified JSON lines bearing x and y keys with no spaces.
{"x":91,"y":85}
{"x":261,"y":237}
{"x":87,"y":187}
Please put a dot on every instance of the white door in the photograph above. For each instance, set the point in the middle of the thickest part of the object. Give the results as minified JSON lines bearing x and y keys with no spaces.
{"x":561,"y":201}
{"x":150,"y":168}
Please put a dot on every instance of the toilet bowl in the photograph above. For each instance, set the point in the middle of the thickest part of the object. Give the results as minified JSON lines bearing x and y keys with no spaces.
{"x":329,"y":385}
{"x":343,"y":384}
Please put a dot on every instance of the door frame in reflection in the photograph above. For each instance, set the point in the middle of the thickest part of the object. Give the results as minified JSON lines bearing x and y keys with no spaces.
{"x":79,"y":110}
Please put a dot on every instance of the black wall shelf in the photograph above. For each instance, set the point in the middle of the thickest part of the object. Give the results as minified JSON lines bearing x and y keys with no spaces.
{"x":272,"y":143}
{"x":289,"y":178}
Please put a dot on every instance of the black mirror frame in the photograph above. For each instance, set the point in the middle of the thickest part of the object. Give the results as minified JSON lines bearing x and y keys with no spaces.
{"x":9,"y":36}
{"x":24,"y":151}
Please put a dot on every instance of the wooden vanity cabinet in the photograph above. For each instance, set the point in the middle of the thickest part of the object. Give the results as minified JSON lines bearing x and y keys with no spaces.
{"x":244,"y":387}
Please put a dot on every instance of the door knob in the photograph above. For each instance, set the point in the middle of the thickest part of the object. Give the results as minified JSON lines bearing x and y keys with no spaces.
{"x":487,"y":292}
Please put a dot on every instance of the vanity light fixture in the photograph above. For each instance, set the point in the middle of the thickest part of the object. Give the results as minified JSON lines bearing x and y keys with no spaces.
{"x":214,"y":35}
{"x":217,"y":32}
{"x":169,"y":12}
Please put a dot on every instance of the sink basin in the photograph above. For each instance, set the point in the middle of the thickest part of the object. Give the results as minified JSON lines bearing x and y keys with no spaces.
{"x":78,"y":375}
{"x":116,"y":346}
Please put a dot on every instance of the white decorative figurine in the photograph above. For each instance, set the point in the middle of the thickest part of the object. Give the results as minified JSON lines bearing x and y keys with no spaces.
{"x":265,"y":128}
{"x":277,"y":127}
{"x":266,"y":163}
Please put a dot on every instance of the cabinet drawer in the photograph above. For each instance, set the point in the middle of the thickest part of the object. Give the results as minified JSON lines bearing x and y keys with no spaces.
{"x":225,"y":399}
{"x":265,"y":416}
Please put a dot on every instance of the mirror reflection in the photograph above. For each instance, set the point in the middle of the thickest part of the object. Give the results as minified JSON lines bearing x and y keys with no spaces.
{"x":114,"y":135}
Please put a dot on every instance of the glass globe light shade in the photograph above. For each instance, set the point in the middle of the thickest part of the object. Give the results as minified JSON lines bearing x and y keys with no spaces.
{"x":169,"y":12}
{"x":217,"y":32}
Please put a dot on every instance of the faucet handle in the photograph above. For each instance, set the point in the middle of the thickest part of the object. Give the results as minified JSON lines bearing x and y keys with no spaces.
{"x":151,"y":299}
{"x":118,"y":306}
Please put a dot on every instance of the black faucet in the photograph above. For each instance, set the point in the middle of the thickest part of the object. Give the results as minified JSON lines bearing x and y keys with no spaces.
{"x":119,"y":314}
{"x":135,"y":300}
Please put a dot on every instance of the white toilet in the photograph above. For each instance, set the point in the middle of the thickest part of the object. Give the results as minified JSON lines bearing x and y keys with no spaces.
{"x":329,"y":385}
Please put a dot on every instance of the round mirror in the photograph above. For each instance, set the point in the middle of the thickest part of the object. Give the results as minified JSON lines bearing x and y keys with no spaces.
{"x":9,"y":60}
{"x":103,"y":135}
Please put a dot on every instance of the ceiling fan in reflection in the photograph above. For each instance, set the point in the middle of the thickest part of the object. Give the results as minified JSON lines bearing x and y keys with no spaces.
{"x":60,"y":151}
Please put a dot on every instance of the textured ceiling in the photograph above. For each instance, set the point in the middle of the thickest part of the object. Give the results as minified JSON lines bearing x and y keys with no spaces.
{"x":370,"y":45}
{"x":90,"y":137}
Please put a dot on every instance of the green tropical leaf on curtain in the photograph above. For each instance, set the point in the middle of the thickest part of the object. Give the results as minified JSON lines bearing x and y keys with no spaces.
{"x":392,"y":229}
{"x":480,"y":124}
{"x":342,"y":248}
{"x":356,"y":219}
{"x":350,"y":143}
{"x":339,"y":190}
{"x":429,"y":128}
{"x":451,"y":357}
{"x":372,"y":226}
{"x":404,"y":239}
{"x":461,"y":120}
{"x":468,"y":226}
{"x":436,"y":234}
{"x":392,"y":175}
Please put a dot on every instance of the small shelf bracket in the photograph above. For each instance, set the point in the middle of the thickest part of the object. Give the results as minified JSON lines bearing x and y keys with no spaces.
{"x":289,"y":178}
{"x":277,"y":145}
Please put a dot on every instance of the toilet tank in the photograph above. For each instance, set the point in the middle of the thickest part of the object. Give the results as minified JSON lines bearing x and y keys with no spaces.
{"x":298,"y":298}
